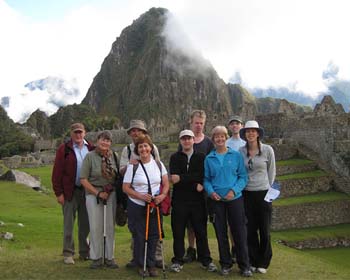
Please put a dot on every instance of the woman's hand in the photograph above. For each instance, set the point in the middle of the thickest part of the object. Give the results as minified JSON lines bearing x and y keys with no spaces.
{"x":145,"y":197}
{"x":199,"y":187}
{"x":230,"y":195}
{"x":159,"y":198}
{"x":215,"y":196}
{"x":103,"y":195}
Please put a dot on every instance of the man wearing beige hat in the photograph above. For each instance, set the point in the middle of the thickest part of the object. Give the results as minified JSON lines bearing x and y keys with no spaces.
{"x":69,"y":192}
{"x":128,"y":156}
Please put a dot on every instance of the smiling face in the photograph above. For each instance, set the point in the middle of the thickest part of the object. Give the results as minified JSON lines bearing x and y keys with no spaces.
{"x":251,"y":134}
{"x":187,"y":143}
{"x":220,"y":140}
{"x":144,"y":150}
{"x":103,"y":144}
{"x":135,"y":133}
{"x":235,"y":127}
{"x":78,"y":136}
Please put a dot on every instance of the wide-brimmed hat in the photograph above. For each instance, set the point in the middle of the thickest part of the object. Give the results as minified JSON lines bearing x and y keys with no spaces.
{"x":235,"y":118}
{"x":186,"y":132}
{"x":139,"y":124}
{"x":251,"y":124}
{"x":77,"y":127}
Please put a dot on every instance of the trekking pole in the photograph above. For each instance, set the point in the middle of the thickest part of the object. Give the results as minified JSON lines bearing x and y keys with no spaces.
{"x":161,"y":241}
{"x":146,"y":240}
{"x":104,"y":230}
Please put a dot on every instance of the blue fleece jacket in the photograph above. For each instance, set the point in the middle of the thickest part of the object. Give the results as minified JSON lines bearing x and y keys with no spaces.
{"x":230,"y":175}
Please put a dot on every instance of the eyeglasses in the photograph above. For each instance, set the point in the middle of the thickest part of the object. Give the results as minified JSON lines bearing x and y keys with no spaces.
{"x":250,"y":164}
{"x":78,"y":131}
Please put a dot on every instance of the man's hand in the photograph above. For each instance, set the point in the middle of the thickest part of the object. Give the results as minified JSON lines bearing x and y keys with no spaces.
{"x":230,"y":195}
{"x":199,"y":188}
{"x":215,"y":196}
{"x":60,"y":199}
{"x":175,"y":178}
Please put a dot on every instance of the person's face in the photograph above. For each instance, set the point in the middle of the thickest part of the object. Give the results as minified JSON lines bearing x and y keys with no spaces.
{"x":187,"y":143}
{"x":251,"y":134}
{"x":197,"y":124}
{"x":78,"y":136}
{"x":235,"y":127}
{"x":104,"y":144}
{"x":134,"y":133}
{"x":144,"y":150}
{"x":220,"y":140}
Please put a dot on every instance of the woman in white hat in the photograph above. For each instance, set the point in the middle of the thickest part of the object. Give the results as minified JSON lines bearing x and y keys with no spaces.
{"x":259,"y":160}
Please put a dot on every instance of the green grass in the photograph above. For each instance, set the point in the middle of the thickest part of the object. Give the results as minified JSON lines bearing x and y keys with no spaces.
{"x":320,"y":197}
{"x":303,"y":175}
{"x":342,"y":230}
{"x":293,"y":161}
{"x":35,"y":252}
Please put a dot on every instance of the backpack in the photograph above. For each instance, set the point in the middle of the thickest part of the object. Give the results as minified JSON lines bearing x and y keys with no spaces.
{"x":165,"y":205}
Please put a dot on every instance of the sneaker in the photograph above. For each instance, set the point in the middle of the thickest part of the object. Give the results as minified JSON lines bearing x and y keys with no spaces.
{"x":111,"y":264}
{"x":211,"y":267}
{"x":225,"y":271}
{"x":246,"y":273}
{"x":176,"y":267}
{"x":253,"y":269}
{"x":96,"y":264}
{"x":131,"y":264}
{"x":68,"y":260}
{"x":152,"y":271}
{"x":261,"y":270}
{"x":190,"y":255}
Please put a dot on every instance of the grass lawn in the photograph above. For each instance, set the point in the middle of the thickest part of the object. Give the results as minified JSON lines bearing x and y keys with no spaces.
{"x":35,"y":252}
{"x":293,"y":161}
{"x":310,"y":174}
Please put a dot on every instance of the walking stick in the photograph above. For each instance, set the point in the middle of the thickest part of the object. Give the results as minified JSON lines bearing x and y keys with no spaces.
{"x":104,"y":231}
{"x":146,"y":240}
{"x":161,"y":241}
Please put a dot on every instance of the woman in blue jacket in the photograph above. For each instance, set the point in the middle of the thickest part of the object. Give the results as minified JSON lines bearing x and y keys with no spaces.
{"x":224,"y":179}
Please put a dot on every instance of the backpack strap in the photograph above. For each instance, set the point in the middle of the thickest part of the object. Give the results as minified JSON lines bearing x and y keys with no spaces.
{"x":116,"y":162}
{"x":135,"y":166}
{"x":129,"y":151}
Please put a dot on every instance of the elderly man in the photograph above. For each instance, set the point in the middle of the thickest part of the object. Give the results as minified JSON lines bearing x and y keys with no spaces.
{"x":69,"y":192}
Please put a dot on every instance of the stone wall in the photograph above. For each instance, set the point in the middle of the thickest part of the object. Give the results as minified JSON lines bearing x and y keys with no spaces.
{"x":290,"y":169}
{"x":319,"y":243}
{"x":294,"y":187}
{"x":311,"y":215}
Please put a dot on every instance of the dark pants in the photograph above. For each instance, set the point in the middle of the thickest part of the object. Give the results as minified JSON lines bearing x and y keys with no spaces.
{"x":259,"y":214}
{"x":182,"y":213}
{"x":137,"y":227}
{"x":70,"y":209}
{"x":233,"y":213}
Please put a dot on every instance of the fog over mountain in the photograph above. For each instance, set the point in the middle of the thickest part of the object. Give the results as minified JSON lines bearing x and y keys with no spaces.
{"x":47,"y":94}
{"x":338,"y":88}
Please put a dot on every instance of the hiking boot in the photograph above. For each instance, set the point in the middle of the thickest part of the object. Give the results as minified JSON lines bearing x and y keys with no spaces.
{"x":211,"y":267}
{"x":84,"y":258}
{"x":111,"y":264}
{"x":96,"y":264}
{"x":159,"y":264}
{"x":225,"y":271}
{"x":152,"y":271}
{"x":68,"y":260}
{"x":131,"y":264}
{"x":140,"y":272}
{"x":246,"y":273}
{"x":190,"y":255}
{"x":176,"y":267}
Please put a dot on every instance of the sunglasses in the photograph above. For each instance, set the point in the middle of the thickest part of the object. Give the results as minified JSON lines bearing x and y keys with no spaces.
{"x":250,"y":164}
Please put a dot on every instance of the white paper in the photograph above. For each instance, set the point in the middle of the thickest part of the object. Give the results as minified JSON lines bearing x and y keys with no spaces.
{"x":271,"y":195}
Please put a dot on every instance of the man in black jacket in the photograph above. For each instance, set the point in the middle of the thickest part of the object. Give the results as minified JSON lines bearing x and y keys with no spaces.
{"x":188,"y":201}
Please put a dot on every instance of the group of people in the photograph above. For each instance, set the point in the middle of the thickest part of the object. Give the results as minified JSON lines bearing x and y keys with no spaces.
{"x":225,"y":178}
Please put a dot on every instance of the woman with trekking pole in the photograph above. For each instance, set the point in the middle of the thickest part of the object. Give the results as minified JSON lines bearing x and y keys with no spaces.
{"x":97,"y":175}
{"x":146,"y":184}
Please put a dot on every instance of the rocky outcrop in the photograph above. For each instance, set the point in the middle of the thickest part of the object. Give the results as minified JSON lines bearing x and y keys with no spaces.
{"x":21,"y":178}
{"x":328,"y":107}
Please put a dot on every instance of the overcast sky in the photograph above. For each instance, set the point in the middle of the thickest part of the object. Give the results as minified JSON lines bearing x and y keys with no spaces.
{"x":270,"y":42}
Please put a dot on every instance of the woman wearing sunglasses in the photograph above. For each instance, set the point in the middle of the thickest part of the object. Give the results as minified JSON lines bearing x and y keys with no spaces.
{"x":259,"y":160}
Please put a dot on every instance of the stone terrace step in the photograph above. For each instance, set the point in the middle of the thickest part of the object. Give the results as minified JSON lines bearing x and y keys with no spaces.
{"x":303,"y":186}
{"x":297,"y":168}
{"x":311,"y":214}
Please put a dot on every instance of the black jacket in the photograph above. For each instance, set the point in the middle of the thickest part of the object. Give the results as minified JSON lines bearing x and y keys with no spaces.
{"x":186,"y":188}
